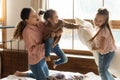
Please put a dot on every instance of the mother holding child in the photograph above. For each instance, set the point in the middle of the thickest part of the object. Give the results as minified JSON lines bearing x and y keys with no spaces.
{"x":41,"y":37}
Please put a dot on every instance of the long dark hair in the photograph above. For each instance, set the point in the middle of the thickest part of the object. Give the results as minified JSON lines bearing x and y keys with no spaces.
{"x":21,"y":25}
{"x":105,"y":12}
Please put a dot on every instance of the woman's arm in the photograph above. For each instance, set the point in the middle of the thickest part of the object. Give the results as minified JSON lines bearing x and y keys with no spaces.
{"x":33,"y":42}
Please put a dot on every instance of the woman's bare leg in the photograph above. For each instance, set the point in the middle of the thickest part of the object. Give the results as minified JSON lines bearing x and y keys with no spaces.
{"x":19,"y":73}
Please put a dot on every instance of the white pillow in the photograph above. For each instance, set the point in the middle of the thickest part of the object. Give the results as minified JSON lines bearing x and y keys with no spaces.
{"x":86,"y":32}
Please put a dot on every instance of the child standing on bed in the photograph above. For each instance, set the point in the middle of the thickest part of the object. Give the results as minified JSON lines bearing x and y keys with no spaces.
{"x":104,"y":43}
{"x":52,"y":34}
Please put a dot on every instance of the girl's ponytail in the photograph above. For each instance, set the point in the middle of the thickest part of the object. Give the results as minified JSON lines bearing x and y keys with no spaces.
{"x":41,"y":12}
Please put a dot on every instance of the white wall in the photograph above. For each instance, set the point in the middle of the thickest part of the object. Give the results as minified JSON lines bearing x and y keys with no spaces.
{"x":13,"y":17}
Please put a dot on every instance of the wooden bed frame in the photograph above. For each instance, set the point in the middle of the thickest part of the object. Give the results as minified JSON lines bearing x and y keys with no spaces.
{"x":78,"y":61}
{"x":13,"y":60}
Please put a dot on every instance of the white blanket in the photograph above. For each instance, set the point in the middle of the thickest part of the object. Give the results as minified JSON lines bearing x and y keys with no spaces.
{"x":87,"y":76}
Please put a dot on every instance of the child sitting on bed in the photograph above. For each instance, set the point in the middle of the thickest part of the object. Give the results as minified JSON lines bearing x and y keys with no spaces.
{"x":52,"y":34}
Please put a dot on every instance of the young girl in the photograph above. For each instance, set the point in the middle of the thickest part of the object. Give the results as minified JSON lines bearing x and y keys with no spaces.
{"x":104,"y":43}
{"x":52,"y":34}
{"x":29,"y":30}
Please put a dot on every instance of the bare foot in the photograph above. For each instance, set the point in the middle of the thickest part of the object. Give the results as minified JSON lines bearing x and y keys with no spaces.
{"x":54,"y":65}
{"x":22,"y":74}
{"x":48,"y":58}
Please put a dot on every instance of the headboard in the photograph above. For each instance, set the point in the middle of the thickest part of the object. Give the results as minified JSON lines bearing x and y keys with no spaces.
{"x":0,"y":66}
{"x":12,"y":60}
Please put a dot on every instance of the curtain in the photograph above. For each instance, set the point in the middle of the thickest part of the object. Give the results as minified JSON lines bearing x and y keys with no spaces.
{"x":39,"y":4}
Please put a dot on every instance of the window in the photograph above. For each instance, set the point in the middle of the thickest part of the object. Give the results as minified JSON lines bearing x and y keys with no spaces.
{"x":2,"y":20}
{"x":84,"y":9}
{"x":116,"y":33}
{"x":0,"y":8}
{"x":64,"y":10}
{"x":113,"y":7}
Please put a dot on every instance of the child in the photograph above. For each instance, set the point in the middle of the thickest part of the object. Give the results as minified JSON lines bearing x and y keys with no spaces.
{"x":52,"y":34}
{"x":104,"y":43}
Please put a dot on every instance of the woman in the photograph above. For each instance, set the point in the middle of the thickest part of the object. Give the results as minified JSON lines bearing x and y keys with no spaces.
{"x":30,"y":30}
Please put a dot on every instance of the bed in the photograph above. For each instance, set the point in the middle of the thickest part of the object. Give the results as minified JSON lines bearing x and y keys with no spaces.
{"x":79,"y":67}
{"x":61,"y":75}
{"x":13,"y":60}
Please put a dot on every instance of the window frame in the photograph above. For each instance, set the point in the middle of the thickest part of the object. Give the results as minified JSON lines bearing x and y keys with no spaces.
{"x":3,"y":22}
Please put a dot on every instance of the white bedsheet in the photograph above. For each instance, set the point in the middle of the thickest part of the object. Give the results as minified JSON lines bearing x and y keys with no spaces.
{"x":88,"y":76}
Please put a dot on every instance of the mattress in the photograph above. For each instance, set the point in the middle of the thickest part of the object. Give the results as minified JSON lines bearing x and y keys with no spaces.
{"x":66,"y":75}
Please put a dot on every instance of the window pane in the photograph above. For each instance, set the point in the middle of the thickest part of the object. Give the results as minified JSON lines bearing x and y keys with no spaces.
{"x":85,"y":9}
{"x":63,"y":7}
{"x":113,"y":7}
{"x":116,"y":34}
{"x":0,"y":8}
{"x":66,"y":39}
{"x":0,"y":22}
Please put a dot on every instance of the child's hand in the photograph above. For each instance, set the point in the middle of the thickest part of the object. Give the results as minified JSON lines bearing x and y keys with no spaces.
{"x":59,"y":32}
{"x":53,"y":45}
{"x":79,"y":26}
{"x":52,"y":35}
